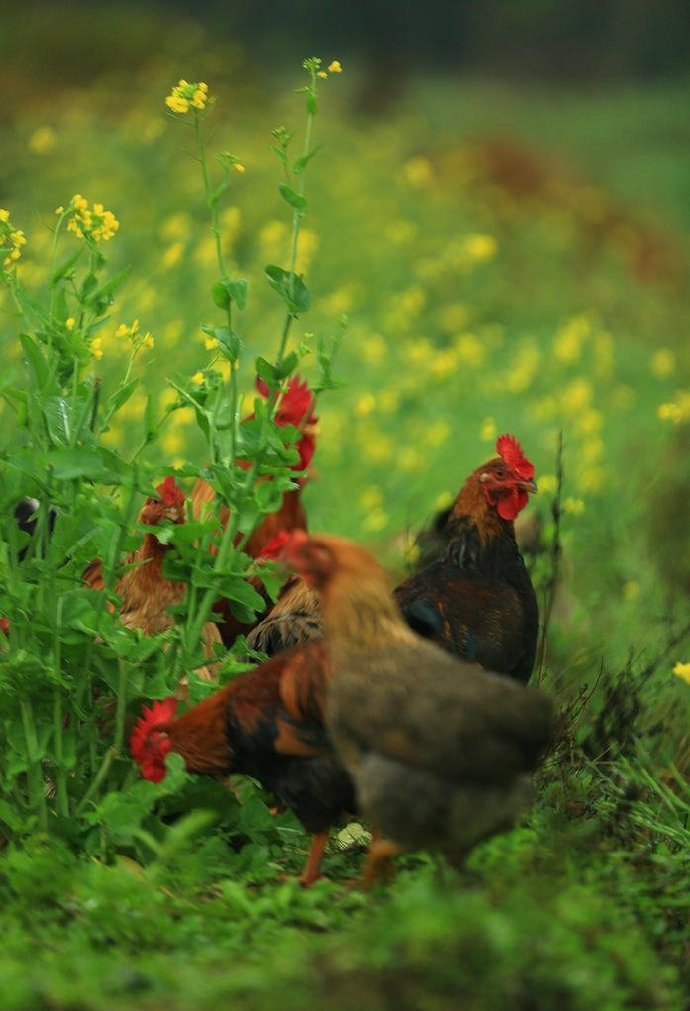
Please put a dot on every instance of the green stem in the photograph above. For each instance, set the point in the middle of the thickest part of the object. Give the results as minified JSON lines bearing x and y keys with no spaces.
{"x":97,"y":780}
{"x":116,"y":749}
{"x":211,"y":201}
{"x":61,"y":782}
{"x":36,"y":784}
{"x":296,"y":221}
{"x":60,"y":779}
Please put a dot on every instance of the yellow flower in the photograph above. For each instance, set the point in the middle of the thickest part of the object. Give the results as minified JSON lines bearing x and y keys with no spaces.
{"x":42,"y":140}
{"x":97,"y":348}
{"x":365,"y":405}
{"x":238,"y":167}
{"x":95,"y":223}
{"x":547,"y":484}
{"x":418,"y":171}
{"x":480,"y":248}
{"x":437,"y":433}
{"x":198,"y":378}
{"x":70,"y":323}
{"x":211,"y":343}
{"x":173,"y":255}
{"x":445,"y":499}
{"x":371,"y":497}
{"x":682,"y":670}
{"x":4,"y":214}
{"x":375,"y":521}
{"x":669,"y":412}
{"x":487,"y":432}
{"x":148,"y":341}
{"x":335,"y":67}
{"x":574,"y":506}
{"x":663,"y":363}
{"x":322,"y":73}
{"x":185,"y":96}
{"x":568,"y":343}
{"x":410,"y":458}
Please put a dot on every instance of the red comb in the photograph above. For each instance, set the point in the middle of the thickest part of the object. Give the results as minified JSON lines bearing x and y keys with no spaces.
{"x":293,"y":540}
{"x":297,"y":405}
{"x":272,"y":550}
{"x":159,"y":714}
{"x":170,"y":492}
{"x":510,"y":451}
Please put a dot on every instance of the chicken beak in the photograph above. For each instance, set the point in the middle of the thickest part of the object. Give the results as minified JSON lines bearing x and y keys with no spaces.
{"x":312,"y":430}
{"x":530,"y":486}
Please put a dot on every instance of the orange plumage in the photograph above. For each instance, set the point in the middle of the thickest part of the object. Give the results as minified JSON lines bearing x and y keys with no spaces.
{"x":146,"y":593}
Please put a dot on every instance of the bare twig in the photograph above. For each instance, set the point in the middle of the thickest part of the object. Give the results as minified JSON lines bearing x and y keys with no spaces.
{"x":555,"y":553}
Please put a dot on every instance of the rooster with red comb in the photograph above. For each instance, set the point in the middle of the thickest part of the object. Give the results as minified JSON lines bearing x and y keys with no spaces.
{"x":476,"y":598}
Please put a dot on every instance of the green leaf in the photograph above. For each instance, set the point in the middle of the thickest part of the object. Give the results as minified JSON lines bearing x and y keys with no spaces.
{"x":36,"y":360}
{"x":70,"y":462}
{"x":65,"y":267}
{"x":269,"y":373}
{"x":300,"y":164}
{"x":267,"y":496}
{"x":280,"y":153}
{"x":294,"y":199}
{"x":121,"y":396}
{"x":9,"y":817}
{"x":227,"y":291}
{"x":288,"y":365}
{"x":220,"y":295}
{"x":102,"y":297}
{"x":89,"y":285}
{"x":150,"y":422}
{"x":290,"y":287}
{"x":237,"y":290}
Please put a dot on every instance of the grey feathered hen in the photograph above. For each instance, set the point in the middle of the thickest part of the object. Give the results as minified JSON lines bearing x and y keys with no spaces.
{"x":440,"y":750}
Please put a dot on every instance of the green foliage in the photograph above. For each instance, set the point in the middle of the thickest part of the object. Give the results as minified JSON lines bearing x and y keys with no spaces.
{"x":71,"y":676}
{"x":487,"y":290}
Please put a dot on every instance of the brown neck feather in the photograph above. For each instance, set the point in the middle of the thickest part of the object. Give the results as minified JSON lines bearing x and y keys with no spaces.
{"x":473,"y":504}
{"x":360,"y":612}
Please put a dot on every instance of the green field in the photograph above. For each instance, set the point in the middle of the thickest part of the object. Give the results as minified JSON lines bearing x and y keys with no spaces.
{"x":498,"y":258}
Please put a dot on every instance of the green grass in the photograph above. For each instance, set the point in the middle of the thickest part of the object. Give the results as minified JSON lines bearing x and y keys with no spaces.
{"x":568,"y":313}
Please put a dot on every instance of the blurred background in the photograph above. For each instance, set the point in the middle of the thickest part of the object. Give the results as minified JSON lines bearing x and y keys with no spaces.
{"x":500,"y":208}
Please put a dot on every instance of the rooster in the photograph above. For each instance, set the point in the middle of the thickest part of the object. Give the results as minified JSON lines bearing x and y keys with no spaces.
{"x":440,"y":751}
{"x":146,"y":593}
{"x":475,"y":597}
{"x":296,"y":408}
{"x":269,"y":724}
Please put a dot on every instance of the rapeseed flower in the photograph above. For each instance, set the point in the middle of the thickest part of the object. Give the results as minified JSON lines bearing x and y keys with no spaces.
{"x":682,"y":670}
{"x":663,"y":363}
{"x":185,"y":96}
{"x":11,"y":240}
{"x":93,"y":223}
